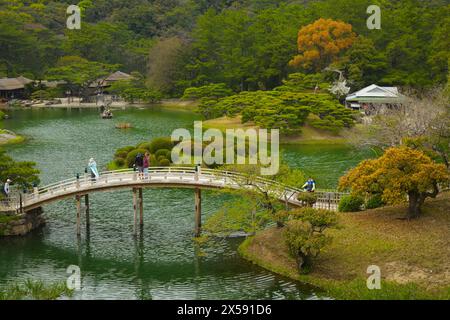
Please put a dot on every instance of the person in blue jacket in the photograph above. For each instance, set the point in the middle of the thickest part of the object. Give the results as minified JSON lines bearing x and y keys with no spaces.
{"x":310,"y":185}
{"x":92,"y":165}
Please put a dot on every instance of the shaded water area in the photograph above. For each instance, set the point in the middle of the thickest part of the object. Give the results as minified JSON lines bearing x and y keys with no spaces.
{"x":164,"y":263}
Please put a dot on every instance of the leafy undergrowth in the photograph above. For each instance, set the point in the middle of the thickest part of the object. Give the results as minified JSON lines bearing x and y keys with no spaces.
{"x":35,"y":290}
{"x":6,"y":219}
{"x":414,"y":256}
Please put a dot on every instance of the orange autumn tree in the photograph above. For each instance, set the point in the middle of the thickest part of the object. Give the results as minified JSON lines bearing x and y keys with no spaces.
{"x":320,"y":43}
{"x":400,"y":174}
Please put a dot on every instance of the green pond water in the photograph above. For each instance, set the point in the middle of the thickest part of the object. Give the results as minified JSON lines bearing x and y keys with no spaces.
{"x":163,"y":263}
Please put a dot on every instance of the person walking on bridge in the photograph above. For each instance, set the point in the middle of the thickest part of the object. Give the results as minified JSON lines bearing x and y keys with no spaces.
{"x":139,"y":165}
{"x":92,"y":165}
{"x":309,"y":185}
{"x":146,"y":164}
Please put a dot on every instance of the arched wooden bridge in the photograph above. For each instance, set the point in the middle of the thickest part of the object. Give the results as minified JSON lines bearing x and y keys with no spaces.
{"x":162,"y":177}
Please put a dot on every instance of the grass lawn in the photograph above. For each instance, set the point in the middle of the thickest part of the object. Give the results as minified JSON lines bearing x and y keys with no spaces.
{"x":224,"y":123}
{"x":179,"y":105}
{"x":414,"y":256}
{"x":309,"y":134}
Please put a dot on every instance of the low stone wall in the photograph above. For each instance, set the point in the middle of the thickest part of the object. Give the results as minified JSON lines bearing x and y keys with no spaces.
{"x":13,"y":224}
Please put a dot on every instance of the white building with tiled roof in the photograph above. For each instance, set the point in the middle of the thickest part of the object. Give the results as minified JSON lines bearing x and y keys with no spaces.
{"x":372,"y":96}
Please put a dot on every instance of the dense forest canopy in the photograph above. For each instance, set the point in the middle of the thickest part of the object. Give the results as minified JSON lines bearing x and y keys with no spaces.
{"x":245,"y":44}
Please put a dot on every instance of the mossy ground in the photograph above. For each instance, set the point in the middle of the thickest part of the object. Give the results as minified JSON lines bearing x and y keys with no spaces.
{"x":6,"y":219}
{"x":7,"y":138}
{"x":414,"y":256}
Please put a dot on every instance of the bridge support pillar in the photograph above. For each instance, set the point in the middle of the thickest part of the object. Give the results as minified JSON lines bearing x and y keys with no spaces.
{"x":87,"y":212}
{"x":141,"y":207}
{"x":135,"y":208}
{"x":78,"y":204}
{"x":198,"y":212}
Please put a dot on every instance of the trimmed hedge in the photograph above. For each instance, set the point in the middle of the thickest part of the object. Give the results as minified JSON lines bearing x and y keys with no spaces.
{"x":163,"y":152}
{"x":350,"y":203}
{"x":132,"y":156}
{"x":160,"y":143}
{"x":123,"y":152}
{"x":164,"y":162}
{"x":308,"y":198}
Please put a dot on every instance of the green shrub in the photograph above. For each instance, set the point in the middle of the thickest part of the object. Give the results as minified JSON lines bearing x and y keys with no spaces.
{"x":164,"y":162}
{"x":308,"y":198}
{"x":119,"y":162}
{"x":300,"y":82}
{"x":304,"y":234}
{"x":2,"y":115}
{"x":215,"y":90}
{"x":132,"y":156}
{"x":144,"y":145}
{"x":375,"y":202}
{"x":153,"y":161}
{"x":350,"y":203}
{"x":160,"y":143}
{"x":123,"y":152}
{"x":169,"y":155}
{"x":162,"y":152}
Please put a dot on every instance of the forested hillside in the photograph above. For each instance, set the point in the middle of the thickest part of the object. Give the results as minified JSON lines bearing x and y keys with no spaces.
{"x":245,"y":44}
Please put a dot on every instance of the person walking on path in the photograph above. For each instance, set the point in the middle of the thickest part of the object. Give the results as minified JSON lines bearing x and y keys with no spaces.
{"x":6,"y":188}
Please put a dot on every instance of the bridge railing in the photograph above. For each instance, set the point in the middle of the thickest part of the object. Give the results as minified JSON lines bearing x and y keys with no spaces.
{"x":215,"y":177}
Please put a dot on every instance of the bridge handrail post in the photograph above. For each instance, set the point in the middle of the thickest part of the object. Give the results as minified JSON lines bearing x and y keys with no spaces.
{"x":36,"y":192}
{"x":20,"y":202}
{"x":196,"y":174}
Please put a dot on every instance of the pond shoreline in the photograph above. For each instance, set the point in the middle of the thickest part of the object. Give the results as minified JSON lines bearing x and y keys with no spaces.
{"x":8,"y":137}
{"x":370,"y":237}
{"x":75,"y":137}
{"x":178,"y":104}
{"x":309,"y":136}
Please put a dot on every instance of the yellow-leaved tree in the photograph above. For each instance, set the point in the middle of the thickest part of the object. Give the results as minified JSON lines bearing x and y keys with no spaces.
{"x":320,"y":43}
{"x":401,"y":174}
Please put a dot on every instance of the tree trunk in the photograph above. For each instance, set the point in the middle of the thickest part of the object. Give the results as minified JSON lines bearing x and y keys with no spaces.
{"x":416,"y":200}
{"x":304,"y":263}
{"x":300,"y":261}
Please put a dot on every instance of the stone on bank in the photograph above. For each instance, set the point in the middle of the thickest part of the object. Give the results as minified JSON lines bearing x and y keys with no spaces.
{"x":13,"y":224}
